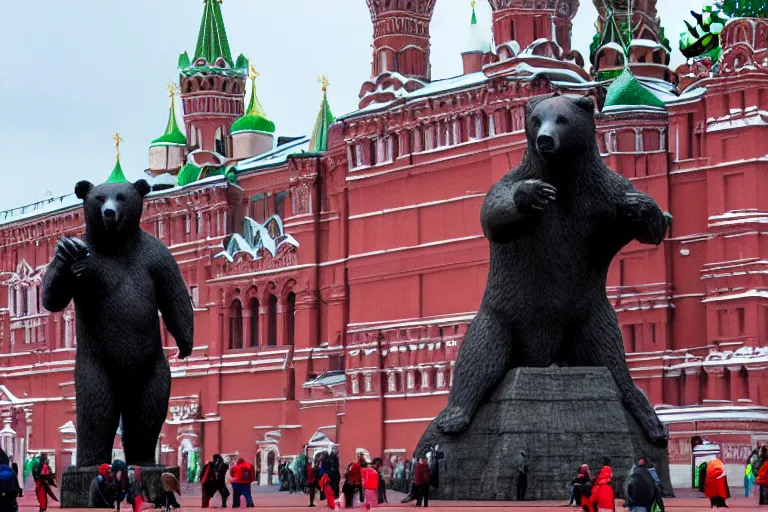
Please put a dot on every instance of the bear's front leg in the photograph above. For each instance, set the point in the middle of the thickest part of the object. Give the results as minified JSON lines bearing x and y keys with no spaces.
{"x":484,"y":359}
{"x":598,"y":342}
{"x":642,"y":218}
{"x":510,"y":203}
{"x":63,"y":273}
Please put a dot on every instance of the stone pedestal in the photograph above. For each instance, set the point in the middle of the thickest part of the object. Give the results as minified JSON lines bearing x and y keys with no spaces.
{"x":77,"y":489}
{"x":561,"y":418}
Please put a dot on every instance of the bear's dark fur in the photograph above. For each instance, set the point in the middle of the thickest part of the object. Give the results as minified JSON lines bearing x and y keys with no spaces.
{"x":119,"y":277}
{"x":554,"y":223}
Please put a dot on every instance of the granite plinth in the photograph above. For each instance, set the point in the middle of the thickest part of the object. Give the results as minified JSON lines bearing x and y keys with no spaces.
{"x":77,"y":485}
{"x":561,"y":418}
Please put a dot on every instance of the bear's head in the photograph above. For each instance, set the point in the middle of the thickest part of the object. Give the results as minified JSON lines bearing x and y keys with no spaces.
{"x":112,"y":209}
{"x":560,"y":127}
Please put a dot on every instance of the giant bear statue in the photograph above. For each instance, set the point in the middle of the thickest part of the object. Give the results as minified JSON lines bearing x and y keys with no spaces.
{"x":119,"y":277}
{"x":554,"y":224}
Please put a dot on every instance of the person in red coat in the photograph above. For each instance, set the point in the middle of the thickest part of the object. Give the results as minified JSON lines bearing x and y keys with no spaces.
{"x":421,"y":482}
{"x":44,"y":480}
{"x":370,"y":486}
{"x":327,"y":488}
{"x":243,"y":476}
{"x":355,"y":480}
{"x":716,"y":484}
{"x":602,"y":498}
{"x":312,"y":474}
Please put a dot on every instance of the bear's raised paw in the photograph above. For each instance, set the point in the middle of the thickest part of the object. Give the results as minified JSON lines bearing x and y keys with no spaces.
{"x":453,"y":420}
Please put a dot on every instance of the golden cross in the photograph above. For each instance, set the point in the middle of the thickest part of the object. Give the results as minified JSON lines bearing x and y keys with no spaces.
{"x":473,"y":4}
{"x":172,"y":88}
{"x":323,"y":81}
{"x":252,"y":73}
{"x":116,"y":137}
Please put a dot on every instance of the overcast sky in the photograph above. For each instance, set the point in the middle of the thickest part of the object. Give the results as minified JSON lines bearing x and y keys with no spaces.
{"x":77,"y":71}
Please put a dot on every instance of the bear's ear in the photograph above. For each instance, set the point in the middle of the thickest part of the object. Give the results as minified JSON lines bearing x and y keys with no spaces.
{"x":82,"y":188}
{"x":586,"y":104}
{"x":533,"y":103}
{"x":142,"y":187}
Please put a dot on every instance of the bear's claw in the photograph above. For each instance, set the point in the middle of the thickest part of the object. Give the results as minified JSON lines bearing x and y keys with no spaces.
{"x":453,"y":420}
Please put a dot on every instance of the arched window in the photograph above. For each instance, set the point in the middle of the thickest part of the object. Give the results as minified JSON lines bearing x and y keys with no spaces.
{"x":235,"y":325}
{"x":24,"y":301}
{"x":254,"y":308}
{"x":218,"y":142}
{"x":272,"y":321}
{"x":290,"y":309}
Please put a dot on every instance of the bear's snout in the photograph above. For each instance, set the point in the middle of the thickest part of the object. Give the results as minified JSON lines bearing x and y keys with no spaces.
{"x":545,"y":143}
{"x":109,"y":213}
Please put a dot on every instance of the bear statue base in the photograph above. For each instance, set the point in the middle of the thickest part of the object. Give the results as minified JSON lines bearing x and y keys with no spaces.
{"x":561,"y":418}
{"x":78,"y":488}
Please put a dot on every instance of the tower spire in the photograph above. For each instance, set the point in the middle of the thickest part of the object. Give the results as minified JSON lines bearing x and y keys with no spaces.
{"x":212,"y":41}
{"x":172,"y":134}
{"x":319,"y":141}
{"x":117,"y":175}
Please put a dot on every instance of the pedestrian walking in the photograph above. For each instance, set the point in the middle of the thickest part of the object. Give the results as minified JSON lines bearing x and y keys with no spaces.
{"x":378,"y":465}
{"x":313,"y":473}
{"x":522,"y":476}
{"x":716,"y":484}
{"x":44,"y":480}
{"x":762,"y":476}
{"x":171,"y":488}
{"x":370,"y":487}
{"x":9,"y":485}
{"x":243,"y":476}
{"x":750,"y":475}
{"x":136,"y":490}
{"x":642,"y":491}
{"x":602,"y":498}
{"x":421,"y":482}
{"x":213,"y":480}
{"x":327,"y":488}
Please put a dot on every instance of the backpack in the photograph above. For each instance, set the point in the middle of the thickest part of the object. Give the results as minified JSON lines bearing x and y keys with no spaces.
{"x":7,"y":480}
{"x":245,"y":471}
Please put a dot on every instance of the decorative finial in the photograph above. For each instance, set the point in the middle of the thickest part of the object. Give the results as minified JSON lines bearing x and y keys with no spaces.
{"x":323,"y":81}
{"x":252,"y":73}
{"x":172,"y":88}
{"x":473,"y":4}
{"x":116,"y":137}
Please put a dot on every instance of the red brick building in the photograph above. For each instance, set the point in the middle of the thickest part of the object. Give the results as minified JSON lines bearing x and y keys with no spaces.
{"x":333,"y":276}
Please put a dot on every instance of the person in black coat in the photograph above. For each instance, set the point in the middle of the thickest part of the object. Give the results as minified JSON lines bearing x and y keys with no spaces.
{"x":642,"y":489}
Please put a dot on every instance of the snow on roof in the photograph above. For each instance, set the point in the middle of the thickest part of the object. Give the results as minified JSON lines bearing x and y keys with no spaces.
{"x":164,"y":179}
{"x":327,"y":379}
{"x":741,"y":355}
{"x":278,"y":155}
{"x":647,"y":43}
{"x":433,"y":88}
{"x":39,"y":208}
{"x":708,"y":413}
{"x":738,"y":120}
{"x":562,"y":75}
{"x":754,"y":293}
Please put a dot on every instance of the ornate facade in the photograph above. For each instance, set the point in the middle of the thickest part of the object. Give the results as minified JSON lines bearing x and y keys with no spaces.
{"x":334,"y":278}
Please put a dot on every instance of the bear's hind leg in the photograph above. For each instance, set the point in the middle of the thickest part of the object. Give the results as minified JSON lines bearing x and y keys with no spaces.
{"x":97,"y":414}
{"x":145,"y":408}
{"x":484,"y":359}
{"x":599,"y":343}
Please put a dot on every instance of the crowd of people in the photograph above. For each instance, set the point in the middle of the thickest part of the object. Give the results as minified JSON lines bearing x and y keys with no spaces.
{"x":363,"y":483}
{"x":756,"y":475}
{"x":214,"y":479}
{"x":643,"y":489}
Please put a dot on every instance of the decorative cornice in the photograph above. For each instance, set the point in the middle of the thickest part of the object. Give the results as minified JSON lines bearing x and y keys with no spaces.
{"x":562,"y":8}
